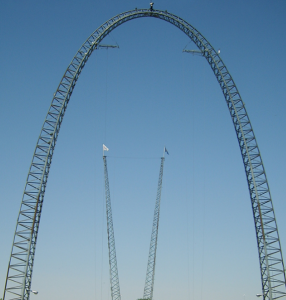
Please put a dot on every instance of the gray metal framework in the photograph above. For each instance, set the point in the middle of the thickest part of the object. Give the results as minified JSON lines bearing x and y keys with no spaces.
{"x":150,"y":274}
{"x":113,"y":271}
{"x":20,"y":268}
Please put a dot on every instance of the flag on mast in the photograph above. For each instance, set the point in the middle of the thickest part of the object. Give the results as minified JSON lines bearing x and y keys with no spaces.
{"x":105,"y":148}
{"x":165,"y":150}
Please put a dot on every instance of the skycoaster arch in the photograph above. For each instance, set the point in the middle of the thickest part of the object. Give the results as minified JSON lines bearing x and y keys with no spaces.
{"x":20,"y":268}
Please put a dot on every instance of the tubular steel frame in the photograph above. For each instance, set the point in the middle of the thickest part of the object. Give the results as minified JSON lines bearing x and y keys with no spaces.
{"x":20,"y":268}
{"x":150,"y":274}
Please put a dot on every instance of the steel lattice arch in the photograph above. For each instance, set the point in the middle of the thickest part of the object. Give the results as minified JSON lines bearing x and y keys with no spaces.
{"x":20,"y":268}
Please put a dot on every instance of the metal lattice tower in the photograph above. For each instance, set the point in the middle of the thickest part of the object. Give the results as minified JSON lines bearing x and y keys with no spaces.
{"x":150,"y":274}
{"x":20,"y":266}
{"x":113,"y":272}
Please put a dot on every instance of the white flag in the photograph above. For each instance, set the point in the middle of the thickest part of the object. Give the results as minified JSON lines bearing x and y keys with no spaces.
{"x":105,"y":148}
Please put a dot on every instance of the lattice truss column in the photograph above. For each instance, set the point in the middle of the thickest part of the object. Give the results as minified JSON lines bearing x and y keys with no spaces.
{"x":150,"y":274}
{"x":113,"y":271}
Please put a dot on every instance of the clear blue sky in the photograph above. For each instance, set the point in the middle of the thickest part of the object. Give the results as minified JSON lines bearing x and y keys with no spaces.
{"x":136,"y":99}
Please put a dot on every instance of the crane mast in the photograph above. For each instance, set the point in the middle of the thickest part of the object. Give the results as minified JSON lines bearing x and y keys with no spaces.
{"x":114,"y":280}
{"x":150,"y":274}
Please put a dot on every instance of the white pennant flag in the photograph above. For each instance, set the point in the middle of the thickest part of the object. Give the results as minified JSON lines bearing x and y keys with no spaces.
{"x":105,"y":148}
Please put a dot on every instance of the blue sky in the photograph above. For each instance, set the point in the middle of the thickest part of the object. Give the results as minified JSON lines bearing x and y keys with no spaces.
{"x":136,"y":99}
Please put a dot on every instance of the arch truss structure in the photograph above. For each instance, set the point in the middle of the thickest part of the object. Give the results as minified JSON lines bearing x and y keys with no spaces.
{"x":20,"y":268}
